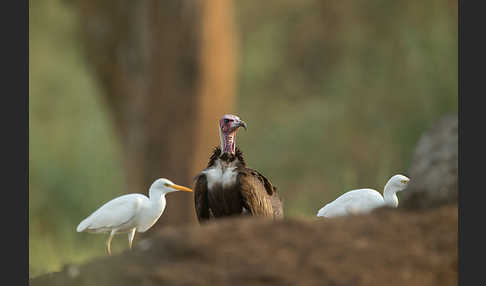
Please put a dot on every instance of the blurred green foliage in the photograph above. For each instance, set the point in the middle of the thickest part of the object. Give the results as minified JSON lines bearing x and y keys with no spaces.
{"x":336,"y":94}
{"x":74,"y":156}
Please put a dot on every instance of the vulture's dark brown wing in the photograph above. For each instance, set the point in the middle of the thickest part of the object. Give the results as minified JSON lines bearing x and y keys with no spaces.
{"x":258,"y":194}
{"x":201,"y":198}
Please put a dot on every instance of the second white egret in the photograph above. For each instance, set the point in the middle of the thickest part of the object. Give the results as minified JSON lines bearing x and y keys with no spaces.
{"x":365,"y":200}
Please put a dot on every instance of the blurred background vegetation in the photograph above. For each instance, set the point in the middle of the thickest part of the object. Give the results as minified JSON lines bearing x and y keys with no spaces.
{"x":336,"y":95}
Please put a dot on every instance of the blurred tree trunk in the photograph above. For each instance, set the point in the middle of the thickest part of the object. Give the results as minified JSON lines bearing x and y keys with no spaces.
{"x":167,"y":69}
{"x":218,"y":70}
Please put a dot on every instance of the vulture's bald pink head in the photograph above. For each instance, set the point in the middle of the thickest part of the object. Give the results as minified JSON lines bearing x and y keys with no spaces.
{"x":228,"y":125}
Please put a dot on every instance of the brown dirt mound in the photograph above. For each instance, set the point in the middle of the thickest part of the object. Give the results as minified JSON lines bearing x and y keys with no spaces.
{"x":387,"y":247}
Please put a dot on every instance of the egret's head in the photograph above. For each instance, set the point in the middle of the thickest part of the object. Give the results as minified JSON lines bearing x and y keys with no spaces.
{"x":228,"y":125}
{"x":398,"y":182}
{"x":166,"y":186}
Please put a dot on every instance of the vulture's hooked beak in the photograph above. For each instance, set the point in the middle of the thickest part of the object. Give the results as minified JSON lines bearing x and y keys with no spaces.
{"x":242,"y":123}
{"x":181,"y":188}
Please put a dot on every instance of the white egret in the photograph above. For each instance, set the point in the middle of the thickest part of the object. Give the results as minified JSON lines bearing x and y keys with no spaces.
{"x":131,"y":212}
{"x":365,"y":200}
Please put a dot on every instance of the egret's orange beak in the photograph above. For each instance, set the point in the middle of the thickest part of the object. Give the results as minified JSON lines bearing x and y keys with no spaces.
{"x":181,"y":188}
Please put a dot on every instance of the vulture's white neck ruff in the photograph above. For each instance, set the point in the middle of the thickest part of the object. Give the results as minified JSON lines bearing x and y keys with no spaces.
{"x":220,"y":175}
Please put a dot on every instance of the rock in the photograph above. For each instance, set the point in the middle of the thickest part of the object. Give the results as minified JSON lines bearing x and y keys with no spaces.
{"x":434,"y":168}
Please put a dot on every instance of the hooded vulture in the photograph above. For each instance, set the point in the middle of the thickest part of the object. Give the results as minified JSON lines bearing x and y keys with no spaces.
{"x":227,"y":187}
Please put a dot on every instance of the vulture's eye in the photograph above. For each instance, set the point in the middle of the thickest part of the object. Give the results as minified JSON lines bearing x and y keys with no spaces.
{"x":166,"y":184}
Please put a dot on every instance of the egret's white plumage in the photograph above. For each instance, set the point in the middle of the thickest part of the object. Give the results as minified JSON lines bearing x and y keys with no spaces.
{"x":130,"y":213}
{"x":365,"y":200}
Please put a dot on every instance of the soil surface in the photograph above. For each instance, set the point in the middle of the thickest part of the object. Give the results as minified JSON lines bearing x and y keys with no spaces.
{"x":387,"y":247}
